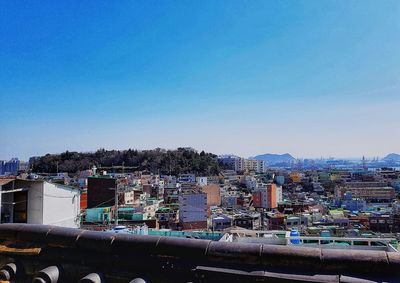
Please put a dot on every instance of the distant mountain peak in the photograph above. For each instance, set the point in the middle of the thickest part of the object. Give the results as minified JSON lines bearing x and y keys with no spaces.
{"x":272,"y":158}
{"x":392,"y":157}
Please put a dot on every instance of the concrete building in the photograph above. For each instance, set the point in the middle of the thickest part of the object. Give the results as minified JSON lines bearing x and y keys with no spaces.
{"x":39,"y":202}
{"x":280,"y":180}
{"x":267,"y":196}
{"x":230,"y":176}
{"x":10,"y":167}
{"x":201,"y":181}
{"x":355,"y":204}
{"x":220,"y":222}
{"x":298,"y":222}
{"x":187,"y":178}
{"x":250,"y":182}
{"x":240,"y":164}
{"x":276,"y":221}
{"x":99,"y":215}
{"x":101,"y":191}
{"x":247,"y":221}
{"x":228,"y":160}
{"x":213,"y":195}
{"x":370,"y":191}
{"x":193,"y":210}
{"x":166,"y":217}
{"x":249,"y":165}
{"x":229,"y":200}
{"x":127,"y":198}
{"x":384,"y":223}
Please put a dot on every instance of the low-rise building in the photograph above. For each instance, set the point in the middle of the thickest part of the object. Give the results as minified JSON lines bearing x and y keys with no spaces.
{"x":39,"y":202}
{"x":370,"y":191}
{"x":247,"y":221}
{"x":220,"y":222}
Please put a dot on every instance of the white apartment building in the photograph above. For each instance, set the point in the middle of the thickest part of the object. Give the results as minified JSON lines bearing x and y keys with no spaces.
{"x":241,"y":164}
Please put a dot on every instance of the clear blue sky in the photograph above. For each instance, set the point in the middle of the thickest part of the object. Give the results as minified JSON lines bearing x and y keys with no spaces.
{"x":313,"y":78}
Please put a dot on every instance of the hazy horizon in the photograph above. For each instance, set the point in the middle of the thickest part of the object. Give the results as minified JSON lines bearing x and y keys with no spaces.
{"x":219,"y":153}
{"x":309,"y":78}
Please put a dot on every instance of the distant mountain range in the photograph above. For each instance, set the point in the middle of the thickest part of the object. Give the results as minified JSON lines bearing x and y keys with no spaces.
{"x":392,"y":157}
{"x":272,"y":159}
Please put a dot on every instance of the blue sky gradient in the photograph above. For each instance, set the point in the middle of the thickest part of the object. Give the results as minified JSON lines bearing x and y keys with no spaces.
{"x":313,"y":78}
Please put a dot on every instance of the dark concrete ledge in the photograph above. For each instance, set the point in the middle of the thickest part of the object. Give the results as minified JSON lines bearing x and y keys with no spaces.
{"x":80,"y":244}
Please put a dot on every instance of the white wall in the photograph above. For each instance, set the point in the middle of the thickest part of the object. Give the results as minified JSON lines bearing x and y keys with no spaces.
{"x":201,"y":181}
{"x":35,"y":202}
{"x":61,"y":205}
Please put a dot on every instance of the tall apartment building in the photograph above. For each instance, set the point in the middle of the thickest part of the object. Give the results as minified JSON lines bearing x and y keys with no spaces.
{"x":241,"y":164}
{"x":193,"y":210}
{"x":10,"y":167}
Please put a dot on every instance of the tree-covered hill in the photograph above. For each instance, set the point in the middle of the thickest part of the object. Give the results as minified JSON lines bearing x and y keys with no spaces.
{"x":181,"y":160}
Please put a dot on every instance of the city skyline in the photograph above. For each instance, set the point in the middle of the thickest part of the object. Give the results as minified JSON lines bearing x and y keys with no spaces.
{"x":253,"y":156}
{"x":307,"y":78}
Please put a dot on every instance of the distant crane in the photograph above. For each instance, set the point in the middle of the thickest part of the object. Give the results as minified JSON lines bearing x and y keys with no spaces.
{"x":364,"y":163}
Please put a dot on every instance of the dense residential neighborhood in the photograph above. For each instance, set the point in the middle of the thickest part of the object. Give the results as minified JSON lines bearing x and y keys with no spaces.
{"x":328,"y":199}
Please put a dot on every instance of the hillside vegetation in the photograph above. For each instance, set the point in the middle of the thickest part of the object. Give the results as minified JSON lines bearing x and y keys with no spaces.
{"x":181,"y":160}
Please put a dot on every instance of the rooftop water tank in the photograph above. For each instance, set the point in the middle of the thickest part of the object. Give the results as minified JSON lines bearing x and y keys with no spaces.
{"x":295,"y":233}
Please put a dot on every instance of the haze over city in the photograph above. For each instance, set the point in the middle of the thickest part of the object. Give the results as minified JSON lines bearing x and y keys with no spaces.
{"x":309,"y":78}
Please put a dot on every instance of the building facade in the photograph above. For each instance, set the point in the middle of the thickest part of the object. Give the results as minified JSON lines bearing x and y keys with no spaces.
{"x":193,"y":210}
{"x":39,"y":202}
{"x":267,"y":196}
{"x":101,"y":191}
{"x":10,"y":167}
{"x":372,"y":192}
{"x":240,"y":164}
